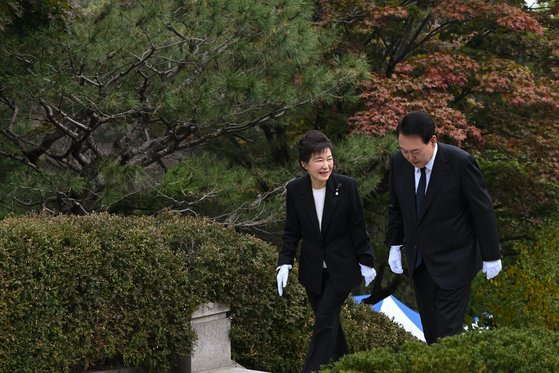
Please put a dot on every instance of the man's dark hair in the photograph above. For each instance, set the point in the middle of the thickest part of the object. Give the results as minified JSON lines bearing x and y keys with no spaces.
{"x":313,"y":142}
{"x":417,"y":123}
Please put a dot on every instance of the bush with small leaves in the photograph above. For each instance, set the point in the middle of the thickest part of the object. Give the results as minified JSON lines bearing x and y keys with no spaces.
{"x":102,"y":291}
{"x":497,"y":350}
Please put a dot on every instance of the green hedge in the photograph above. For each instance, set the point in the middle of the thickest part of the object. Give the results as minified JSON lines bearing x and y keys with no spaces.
{"x":90,"y":292}
{"x":366,"y":329}
{"x":101,"y":291}
{"x":525,"y":294}
{"x":498,"y":350}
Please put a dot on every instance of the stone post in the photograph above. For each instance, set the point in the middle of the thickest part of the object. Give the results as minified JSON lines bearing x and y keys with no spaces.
{"x":212,"y":348}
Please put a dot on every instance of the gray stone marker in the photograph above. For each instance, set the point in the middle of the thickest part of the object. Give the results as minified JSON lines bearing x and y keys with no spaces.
{"x":212,"y":348}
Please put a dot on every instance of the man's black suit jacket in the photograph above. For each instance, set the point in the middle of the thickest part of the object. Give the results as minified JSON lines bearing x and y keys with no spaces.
{"x":456,"y":227}
{"x":342,"y":243}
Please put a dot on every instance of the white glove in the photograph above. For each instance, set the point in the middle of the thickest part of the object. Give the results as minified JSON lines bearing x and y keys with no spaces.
{"x":368,"y":273}
{"x":395,"y":259}
{"x":283,"y":273}
{"x":492,"y":268}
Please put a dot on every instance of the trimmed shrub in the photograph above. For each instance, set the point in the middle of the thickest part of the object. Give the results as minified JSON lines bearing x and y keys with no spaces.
{"x":90,"y":292}
{"x":525,"y":294}
{"x":498,"y":350}
{"x":366,"y":329}
{"x":267,"y":332}
{"x":102,"y":291}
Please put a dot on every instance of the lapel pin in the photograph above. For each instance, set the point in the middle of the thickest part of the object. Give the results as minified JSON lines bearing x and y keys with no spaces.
{"x":338,"y":187}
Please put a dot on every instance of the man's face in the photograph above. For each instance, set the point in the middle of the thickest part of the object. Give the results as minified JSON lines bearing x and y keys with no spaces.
{"x":415,"y":150}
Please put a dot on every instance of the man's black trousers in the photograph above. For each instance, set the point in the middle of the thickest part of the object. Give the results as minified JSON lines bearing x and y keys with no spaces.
{"x":442,"y":311}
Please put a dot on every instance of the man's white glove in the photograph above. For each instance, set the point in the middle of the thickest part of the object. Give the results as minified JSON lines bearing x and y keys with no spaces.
{"x":368,"y":273}
{"x":492,"y":268}
{"x":283,"y":273}
{"x":395,"y":259}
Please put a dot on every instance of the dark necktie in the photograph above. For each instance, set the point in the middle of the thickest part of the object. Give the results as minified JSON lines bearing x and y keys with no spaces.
{"x":420,"y":194}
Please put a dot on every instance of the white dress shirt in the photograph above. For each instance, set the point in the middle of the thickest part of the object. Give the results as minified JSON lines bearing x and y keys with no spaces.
{"x":319,"y":196}
{"x":428,"y":170}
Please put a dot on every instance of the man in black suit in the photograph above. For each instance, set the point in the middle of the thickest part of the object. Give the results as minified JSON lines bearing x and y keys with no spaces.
{"x":324,"y":210}
{"x":442,"y":214}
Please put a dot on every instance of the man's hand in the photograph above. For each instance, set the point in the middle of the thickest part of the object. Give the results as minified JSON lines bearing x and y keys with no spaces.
{"x":492,"y":268}
{"x":368,"y":273}
{"x":283,"y":273}
{"x":395,"y":260}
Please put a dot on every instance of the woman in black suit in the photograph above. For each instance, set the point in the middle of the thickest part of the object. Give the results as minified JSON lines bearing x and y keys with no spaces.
{"x":324,"y":210}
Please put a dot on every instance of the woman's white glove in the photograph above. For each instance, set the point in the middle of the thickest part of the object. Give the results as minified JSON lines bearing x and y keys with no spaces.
{"x":283,"y":274}
{"x":368,"y":273}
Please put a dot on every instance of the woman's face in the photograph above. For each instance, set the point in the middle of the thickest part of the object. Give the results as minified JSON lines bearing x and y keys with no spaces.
{"x":319,"y":167}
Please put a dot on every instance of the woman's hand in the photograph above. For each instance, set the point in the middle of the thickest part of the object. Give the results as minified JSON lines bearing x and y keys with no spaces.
{"x":283,"y":274}
{"x":368,"y":273}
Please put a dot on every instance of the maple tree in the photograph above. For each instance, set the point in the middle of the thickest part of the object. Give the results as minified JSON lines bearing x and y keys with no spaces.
{"x":485,"y":70}
{"x":428,"y":60}
{"x":425,"y":82}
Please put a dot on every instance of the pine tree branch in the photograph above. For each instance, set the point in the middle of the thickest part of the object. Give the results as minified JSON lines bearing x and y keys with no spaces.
{"x":50,"y":116}
{"x":22,"y":160}
{"x":141,"y":60}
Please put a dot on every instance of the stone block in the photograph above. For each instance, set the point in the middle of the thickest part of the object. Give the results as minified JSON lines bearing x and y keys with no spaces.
{"x":212,"y":348}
